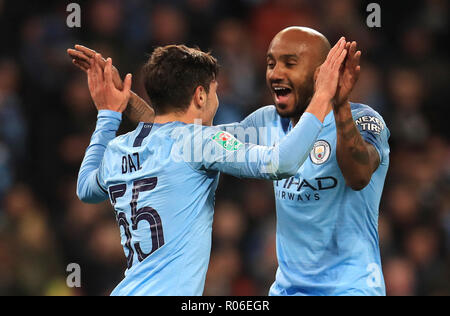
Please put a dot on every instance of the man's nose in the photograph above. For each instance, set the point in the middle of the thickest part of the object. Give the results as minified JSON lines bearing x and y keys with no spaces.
{"x":277,"y":73}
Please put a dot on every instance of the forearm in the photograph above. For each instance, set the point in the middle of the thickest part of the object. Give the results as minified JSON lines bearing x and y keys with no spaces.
{"x":352,"y":152}
{"x":138,"y":110}
{"x":250,"y":130}
{"x":292,"y":151}
{"x":262,"y":162}
{"x":319,"y":106}
{"x":88,"y":188}
{"x":295,"y":147}
{"x":284,"y":159}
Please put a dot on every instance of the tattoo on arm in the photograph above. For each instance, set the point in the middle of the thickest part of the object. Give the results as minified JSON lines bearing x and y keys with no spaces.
{"x":138,"y":110}
{"x":342,"y":125}
{"x":373,"y":153}
{"x":354,"y":140}
{"x":359,"y":152}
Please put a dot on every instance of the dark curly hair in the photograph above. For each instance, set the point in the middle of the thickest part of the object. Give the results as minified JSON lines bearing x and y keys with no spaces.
{"x":172,"y":74}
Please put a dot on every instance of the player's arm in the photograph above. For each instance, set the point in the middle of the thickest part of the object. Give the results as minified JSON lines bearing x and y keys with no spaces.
{"x":253,"y":127}
{"x":110,"y":102}
{"x":284,"y":159}
{"x":253,"y":121}
{"x":222,"y":152}
{"x":137,"y":110}
{"x":357,"y":158}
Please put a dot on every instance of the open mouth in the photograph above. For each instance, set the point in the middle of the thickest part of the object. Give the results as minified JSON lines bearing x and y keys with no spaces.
{"x":282,"y":91}
{"x":282,"y":94}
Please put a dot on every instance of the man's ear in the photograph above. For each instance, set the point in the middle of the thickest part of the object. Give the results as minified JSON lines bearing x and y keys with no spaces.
{"x":200,"y":97}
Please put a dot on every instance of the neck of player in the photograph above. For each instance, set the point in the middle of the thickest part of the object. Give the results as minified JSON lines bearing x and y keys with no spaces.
{"x":319,"y":106}
{"x":186,"y":117}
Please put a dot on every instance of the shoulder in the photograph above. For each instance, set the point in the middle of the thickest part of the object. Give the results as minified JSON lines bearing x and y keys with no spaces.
{"x":359,"y":109}
{"x":211,"y":133}
{"x":268,"y":112}
{"x":195,"y":136}
{"x":264,"y":115}
{"x":367,"y":118}
{"x":120,"y":140}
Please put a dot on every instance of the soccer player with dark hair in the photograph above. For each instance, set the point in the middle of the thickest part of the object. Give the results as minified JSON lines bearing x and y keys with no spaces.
{"x":161,"y":177}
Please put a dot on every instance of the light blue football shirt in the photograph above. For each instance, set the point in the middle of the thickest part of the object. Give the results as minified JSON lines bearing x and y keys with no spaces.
{"x":161,"y":180}
{"x":327,"y":233}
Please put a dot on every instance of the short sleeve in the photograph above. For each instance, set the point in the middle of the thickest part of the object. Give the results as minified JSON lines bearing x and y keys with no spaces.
{"x":373,"y":129}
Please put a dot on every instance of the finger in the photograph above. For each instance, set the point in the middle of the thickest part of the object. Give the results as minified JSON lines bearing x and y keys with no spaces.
{"x":352,"y":49}
{"x":347,"y":46}
{"x":74,"y":54}
{"x":338,"y":44}
{"x":81,"y":64}
{"x":101,"y":61}
{"x":91,"y":54}
{"x":357,"y":58}
{"x":98,"y":68}
{"x":87,"y":51}
{"x":357,"y":72}
{"x":126,"y":93}
{"x":97,"y":74}
{"x":333,"y":50}
{"x":340,"y":59}
{"x":340,"y":48}
{"x":93,"y":75}
{"x":91,"y":81}
{"x":127,"y":84}
{"x":108,"y":73}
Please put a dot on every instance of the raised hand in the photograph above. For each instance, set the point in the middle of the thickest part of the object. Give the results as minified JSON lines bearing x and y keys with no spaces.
{"x":82,"y":57}
{"x":326,"y":81}
{"x":103,"y":91}
{"x":349,"y":75}
{"x":327,"y":78}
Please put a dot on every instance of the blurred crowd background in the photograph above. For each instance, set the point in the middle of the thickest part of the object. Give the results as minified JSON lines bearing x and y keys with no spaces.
{"x":47,"y":117}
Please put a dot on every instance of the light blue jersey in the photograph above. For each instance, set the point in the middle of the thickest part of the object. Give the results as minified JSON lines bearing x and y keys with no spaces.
{"x":161,"y":180}
{"x":327,"y":233}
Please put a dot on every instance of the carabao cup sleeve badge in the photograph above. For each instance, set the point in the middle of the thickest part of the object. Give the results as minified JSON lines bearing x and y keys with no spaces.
{"x":227,"y":141}
{"x":320,"y":152}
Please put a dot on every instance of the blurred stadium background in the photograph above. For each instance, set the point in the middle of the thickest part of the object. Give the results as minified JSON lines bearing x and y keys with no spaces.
{"x":47,"y":116}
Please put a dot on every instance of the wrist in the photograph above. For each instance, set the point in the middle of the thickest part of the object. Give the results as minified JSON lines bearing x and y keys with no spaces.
{"x":109,"y":114}
{"x":118,"y":109}
{"x":322,"y":98}
{"x":320,"y":106}
{"x":338,"y":105}
{"x":342,"y":110}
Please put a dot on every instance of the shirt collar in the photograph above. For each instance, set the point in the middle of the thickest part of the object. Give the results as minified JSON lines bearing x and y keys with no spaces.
{"x":329,"y":119}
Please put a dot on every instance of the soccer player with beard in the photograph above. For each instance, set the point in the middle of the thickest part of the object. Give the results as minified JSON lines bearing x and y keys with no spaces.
{"x":327,"y":214}
{"x":161,"y":177}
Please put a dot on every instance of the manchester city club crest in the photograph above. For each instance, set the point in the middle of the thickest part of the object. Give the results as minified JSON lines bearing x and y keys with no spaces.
{"x":320,"y":152}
